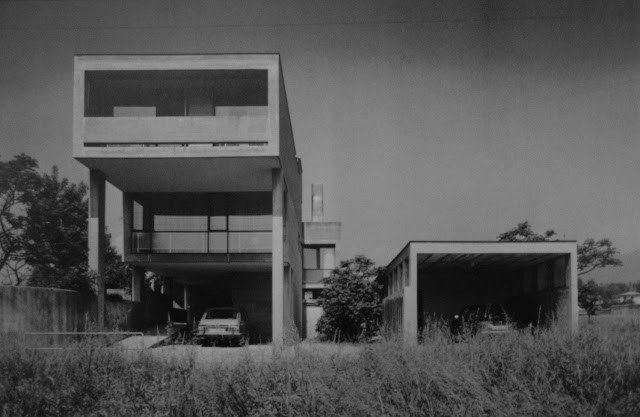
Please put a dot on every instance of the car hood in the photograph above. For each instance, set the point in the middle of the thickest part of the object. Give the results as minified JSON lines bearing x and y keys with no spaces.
{"x":219,"y":322}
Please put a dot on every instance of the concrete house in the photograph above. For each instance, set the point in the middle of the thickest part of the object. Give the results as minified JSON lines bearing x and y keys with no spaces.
{"x":202,"y":148}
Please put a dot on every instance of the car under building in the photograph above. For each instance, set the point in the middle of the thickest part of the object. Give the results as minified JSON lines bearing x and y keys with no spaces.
{"x":536,"y":282}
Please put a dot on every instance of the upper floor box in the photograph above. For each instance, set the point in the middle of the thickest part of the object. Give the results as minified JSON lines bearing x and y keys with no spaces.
{"x":178,"y":106}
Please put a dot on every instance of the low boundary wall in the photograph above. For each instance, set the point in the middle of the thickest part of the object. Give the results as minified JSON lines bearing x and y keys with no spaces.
{"x":34,"y":309}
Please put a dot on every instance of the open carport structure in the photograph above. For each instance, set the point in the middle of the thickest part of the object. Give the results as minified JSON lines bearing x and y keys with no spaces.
{"x":536,"y":282}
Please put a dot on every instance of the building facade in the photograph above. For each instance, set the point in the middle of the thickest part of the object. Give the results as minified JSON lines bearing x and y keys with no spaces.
{"x":202,"y":148}
{"x":321,"y":251}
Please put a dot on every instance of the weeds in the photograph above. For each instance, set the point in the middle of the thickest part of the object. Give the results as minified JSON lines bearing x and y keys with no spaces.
{"x":550,"y":373}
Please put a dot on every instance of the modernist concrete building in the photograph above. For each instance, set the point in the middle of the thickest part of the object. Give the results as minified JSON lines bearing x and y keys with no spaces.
{"x":321,"y":249}
{"x":203,"y":150}
{"x":535,"y":281}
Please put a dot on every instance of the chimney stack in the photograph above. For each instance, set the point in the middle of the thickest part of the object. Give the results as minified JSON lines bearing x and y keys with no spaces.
{"x":317,"y":210}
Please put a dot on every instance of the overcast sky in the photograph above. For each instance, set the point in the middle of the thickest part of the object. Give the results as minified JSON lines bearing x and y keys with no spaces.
{"x":423,"y":122}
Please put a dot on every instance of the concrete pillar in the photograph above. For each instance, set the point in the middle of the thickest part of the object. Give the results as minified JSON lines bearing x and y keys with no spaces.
{"x":187,"y":305}
{"x":277,"y":261}
{"x":96,"y":237}
{"x":137,"y":283}
{"x":567,"y":307}
{"x":410,"y":301}
{"x":127,"y":217}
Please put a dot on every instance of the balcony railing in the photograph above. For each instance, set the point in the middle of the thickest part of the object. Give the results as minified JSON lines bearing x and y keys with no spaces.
{"x":201,"y":242}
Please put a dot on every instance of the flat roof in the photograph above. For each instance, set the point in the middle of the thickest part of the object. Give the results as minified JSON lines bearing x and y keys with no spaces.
{"x":456,"y":253}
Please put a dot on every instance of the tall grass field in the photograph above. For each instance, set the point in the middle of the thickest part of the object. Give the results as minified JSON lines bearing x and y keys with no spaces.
{"x":550,"y":373}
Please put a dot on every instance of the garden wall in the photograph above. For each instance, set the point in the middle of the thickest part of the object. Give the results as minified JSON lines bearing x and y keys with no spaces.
{"x":31,"y":309}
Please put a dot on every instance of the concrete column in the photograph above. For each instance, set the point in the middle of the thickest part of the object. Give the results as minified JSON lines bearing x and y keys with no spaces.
{"x":567,"y":308}
{"x":127,"y":217}
{"x":277,"y":262}
{"x":96,"y":237}
{"x":410,"y":301}
{"x":137,"y":283}
{"x":187,"y":306}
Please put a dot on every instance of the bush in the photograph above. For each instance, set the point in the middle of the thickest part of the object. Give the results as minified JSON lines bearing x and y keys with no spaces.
{"x":350,"y":301}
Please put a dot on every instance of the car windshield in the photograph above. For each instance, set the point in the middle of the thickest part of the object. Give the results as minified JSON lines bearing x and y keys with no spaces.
{"x":221,"y":314}
{"x":491,"y":312}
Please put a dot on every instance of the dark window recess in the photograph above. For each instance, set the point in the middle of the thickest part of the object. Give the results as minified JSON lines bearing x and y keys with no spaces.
{"x":172,"y":93}
{"x":217,"y":223}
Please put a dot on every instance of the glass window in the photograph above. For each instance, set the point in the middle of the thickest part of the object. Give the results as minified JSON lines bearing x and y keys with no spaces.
{"x":310,"y":258}
{"x":218,"y":212}
{"x":327,"y":258}
{"x":218,"y":242}
{"x":176,"y":242}
{"x":249,"y":242}
{"x":179,"y":215}
{"x":250,"y":212}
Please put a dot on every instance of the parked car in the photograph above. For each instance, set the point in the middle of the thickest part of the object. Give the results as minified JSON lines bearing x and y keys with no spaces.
{"x":222,"y":325}
{"x":481,"y":319}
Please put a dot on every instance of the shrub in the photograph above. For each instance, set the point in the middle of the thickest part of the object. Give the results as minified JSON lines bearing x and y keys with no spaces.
{"x":350,"y":301}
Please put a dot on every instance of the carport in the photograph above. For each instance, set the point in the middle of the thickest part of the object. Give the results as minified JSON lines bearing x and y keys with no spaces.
{"x":537,"y":282}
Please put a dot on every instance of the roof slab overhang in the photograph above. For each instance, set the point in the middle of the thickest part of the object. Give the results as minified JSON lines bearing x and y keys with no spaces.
{"x":432,"y":256}
{"x":187,"y":174}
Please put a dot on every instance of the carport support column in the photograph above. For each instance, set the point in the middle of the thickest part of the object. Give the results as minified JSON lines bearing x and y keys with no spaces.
{"x":569,"y":300}
{"x":410,"y":301}
{"x":96,"y":237}
{"x":137,"y":283}
{"x":277,"y":262}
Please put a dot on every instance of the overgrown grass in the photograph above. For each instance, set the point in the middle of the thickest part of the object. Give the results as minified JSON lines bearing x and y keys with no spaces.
{"x":552,"y":373}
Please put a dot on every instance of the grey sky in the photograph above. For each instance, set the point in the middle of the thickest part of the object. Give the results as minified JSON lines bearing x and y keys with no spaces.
{"x":422,"y":121}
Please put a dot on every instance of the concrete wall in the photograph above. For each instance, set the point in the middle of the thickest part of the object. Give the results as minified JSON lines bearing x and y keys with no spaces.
{"x":291,"y":169}
{"x":30,"y":309}
{"x":312,"y":313}
{"x":392,"y":316}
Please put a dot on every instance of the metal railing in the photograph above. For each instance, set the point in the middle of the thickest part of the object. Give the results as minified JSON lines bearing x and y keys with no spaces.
{"x":201,"y":242}
{"x":58,"y":335}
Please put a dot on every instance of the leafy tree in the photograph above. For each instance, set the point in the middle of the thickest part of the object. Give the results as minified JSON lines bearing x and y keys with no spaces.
{"x":523,"y":233}
{"x":50,"y":234}
{"x":588,"y":296}
{"x":55,"y":233}
{"x":592,"y":254}
{"x":350,"y":300}
{"x":16,"y":176}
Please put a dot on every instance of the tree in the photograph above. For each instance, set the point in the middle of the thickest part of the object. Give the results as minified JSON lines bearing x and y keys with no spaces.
{"x":588,"y":296}
{"x":592,"y":254}
{"x":16,"y":176}
{"x":53,"y":235}
{"x":350,"y":300}
{"x":523,"y":233}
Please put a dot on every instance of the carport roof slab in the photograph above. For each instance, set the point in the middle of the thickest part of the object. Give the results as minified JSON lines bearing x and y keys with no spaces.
{"x":449,"y":254}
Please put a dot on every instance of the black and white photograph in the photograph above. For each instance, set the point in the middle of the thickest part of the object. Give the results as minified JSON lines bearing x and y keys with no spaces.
{"x":319,"y":208}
